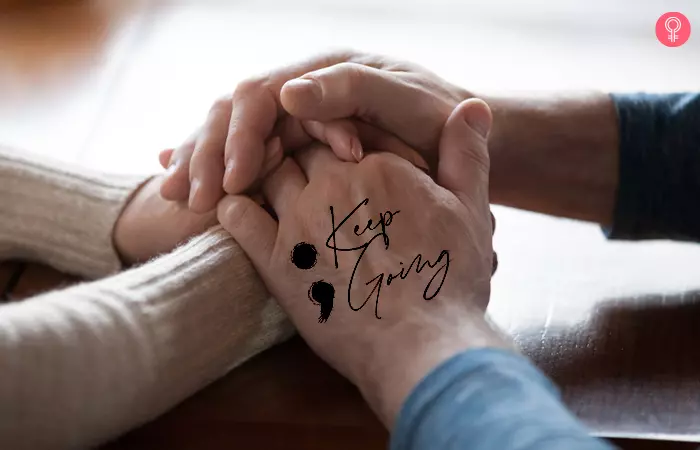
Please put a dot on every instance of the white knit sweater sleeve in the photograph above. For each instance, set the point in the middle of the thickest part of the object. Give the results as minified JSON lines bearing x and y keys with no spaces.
{"x":60,"y":215}
{"x":83,"y":365}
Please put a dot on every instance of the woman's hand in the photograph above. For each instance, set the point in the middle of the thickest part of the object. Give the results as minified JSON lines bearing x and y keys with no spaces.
{"x":149,"y":225}
{"x":346,"y":100}
{"x":384,"y":273}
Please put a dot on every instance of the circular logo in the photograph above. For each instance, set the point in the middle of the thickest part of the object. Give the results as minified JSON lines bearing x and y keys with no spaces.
{"x":673,"y":29}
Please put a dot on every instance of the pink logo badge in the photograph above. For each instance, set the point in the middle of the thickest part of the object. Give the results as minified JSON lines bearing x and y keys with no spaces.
{"x":673,"y":29}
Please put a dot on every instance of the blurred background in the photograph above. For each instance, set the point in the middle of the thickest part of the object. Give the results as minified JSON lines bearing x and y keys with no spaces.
{"x":109,"y":83}
{"x":112,"y":81}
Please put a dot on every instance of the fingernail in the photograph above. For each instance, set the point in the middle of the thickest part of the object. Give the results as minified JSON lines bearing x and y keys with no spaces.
{"x":172,"y":168}
{"x":229,"y":169}
{"x":194,"y":189}
{"x":356,"y":149}
{"x":306,"y":84}
{"x":479,"y":119}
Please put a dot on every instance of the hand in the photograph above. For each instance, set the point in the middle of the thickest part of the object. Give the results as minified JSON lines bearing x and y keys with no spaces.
{"x":450,"y":227}
{"x":346,"y":100}
{"x":149,"y":225}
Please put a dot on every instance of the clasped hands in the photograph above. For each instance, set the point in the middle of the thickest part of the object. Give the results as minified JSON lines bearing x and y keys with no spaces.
{"x":364,"y":136}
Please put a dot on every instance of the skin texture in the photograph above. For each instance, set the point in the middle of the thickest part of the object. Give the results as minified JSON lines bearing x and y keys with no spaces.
{"x":341,"y":99}
{"x":384,"y":357}
{"x":555,"y":153}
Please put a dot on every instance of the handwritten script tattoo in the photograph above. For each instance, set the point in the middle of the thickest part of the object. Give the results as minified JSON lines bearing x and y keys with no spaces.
{"x":418,"y":262}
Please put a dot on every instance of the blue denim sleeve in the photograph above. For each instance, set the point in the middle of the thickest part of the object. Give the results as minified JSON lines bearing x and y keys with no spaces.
{"x":488,"y":399}
{"x":659,"y":186}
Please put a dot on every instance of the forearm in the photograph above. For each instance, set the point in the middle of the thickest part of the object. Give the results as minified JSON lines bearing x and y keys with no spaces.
{"x":83,"y":365}
{"x":556,"y":155}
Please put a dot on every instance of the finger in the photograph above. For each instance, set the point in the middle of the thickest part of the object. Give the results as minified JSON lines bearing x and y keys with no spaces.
{"x":274,"y":155}
{"x":377,"y":139}
{"x":273,"y":158}
{"x":317,"y":160}
{"x":256,"y":108}
{"x":251,"y":226}
{"x":370,"y":137}
{"x":207,"y":166}
{"x":176,"y":184}
{"x":164,"y":157}
{"x":252,"y":121}
{"x":284,"y":186}
{"x":380,"y":97}
{"x":341,"y":135}
{"x":463,"y":166}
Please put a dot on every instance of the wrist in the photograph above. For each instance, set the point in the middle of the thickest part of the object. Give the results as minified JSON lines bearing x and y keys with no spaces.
{"x":122,"y":234}
{"x":412,"y":349}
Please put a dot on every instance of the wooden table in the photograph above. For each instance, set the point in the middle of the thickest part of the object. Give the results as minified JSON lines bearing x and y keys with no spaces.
{"x":109,"y":83}
{"x":272,"y":401}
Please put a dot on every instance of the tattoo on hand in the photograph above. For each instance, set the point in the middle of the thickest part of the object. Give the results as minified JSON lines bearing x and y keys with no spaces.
{"x":304,"y":256}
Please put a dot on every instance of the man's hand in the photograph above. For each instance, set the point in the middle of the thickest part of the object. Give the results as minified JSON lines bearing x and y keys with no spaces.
{"x":365,"y":262}
{"x":346,"y":100}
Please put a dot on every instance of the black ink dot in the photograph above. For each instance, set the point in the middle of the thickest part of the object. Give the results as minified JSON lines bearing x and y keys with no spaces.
{"x":304,"y":255}
{"x":322,"y":293}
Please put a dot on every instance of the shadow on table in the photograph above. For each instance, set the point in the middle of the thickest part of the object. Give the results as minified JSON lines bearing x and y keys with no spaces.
{"x":632,"y":368}
{"x":639,"y":337}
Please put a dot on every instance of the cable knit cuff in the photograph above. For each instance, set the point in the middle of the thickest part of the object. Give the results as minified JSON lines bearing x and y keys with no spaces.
{"x":60,"y":215}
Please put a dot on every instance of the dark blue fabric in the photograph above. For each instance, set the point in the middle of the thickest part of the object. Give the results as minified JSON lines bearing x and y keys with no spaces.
{"x":488,"y":399}
{"x":659,"y":190}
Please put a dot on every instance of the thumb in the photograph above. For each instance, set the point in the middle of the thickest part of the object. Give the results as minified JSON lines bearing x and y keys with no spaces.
{"x":463,"y":166}
{"x":343,"y":90}
{"x":251,"y":226}
{"x":379,"y":97}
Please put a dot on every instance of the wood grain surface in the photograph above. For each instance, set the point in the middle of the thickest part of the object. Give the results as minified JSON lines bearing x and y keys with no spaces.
{"x":287,"y":398}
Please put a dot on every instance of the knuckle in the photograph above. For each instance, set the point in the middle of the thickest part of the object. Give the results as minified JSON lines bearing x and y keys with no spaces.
{"x":479,"y":158}
{"x":353,"y":75}
{"x":238,"y":215}
{"x":251,"y":85}
{"x":378,"y":164}
{"x":221,"y":104}
{"x":344,"y":78}
{"x":327,"y":183}
{"x":201,"y":157}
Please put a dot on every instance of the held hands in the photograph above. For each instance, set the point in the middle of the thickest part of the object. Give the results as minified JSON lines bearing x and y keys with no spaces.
{"x":346,"y":100}
{"x":385,"y":213}
{"x":367,"y":100}
{"x":427,"y":315}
